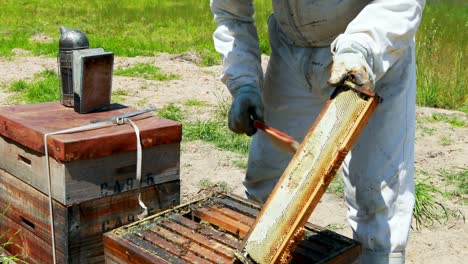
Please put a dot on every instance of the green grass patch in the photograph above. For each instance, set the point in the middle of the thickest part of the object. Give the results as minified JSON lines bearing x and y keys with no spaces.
{"x":209,"y":187}
{"x":453,"y":121}
{"x":120,"y":92}
{"x":335,"y":227}
{"x":336,"y":186}
{"x":445,"y":141}
{"x":172,"y":112}
{"x":146,"y":27}
{"x":459,"y":180}
{"x":217,"y":132}
{"x":146,"y":71}
{"x":196,"y":102}
{"x":441,"y":48}
{"x":129,"y":28}
{"x":214,"y":131}
{"x":44,"y":88}
{"x":142,"y":102}
{"x":427,"y":131}
{"x":118,"y":95}
{"x":240,"y":163}
{"x":207,"y":184}
{"x":427,"y":210}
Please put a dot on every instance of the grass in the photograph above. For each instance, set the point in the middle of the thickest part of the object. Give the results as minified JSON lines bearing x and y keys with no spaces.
{"x":240,"y":163}
{"x":427,"y":210}
{"x":427,"y":131}
{"x":44,"y":88}
{"x":8,"y":259}
{"x":442,"y":45}
{"x":118,"y":95}
{"x":214,"y":131}
{"x":146,"y":71}
{"x":217,"y":132}
{"x":208,"y":187}
{"x":453,"y":121}
{"x":207,"y":184}
{"x":445,"y":141}
{"x":459,"y":181}
{"x":130,"y":28}
{"x":150,"y":26}
{"x":336,"y":186}
{"x":196,"y":102}
{"x":172,"y":112}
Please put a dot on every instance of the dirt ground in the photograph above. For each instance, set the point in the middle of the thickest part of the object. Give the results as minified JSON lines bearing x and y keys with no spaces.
{"x":438,"y":145}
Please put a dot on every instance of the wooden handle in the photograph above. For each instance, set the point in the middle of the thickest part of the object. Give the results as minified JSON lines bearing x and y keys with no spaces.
{"x":274,"y":132}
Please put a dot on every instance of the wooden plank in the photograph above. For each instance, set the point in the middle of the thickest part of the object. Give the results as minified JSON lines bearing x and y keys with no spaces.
{"x":25,"y":245}
{"x":153,"y":248}
{"x":189,"y":244}
{"x":233,"y":215}
{"x":27,"y":124}
{"x":82,"y":180}
{"x":78,"y":228}
{"x":201,"y":239}
{"x":128,"y":252}
{"x":171,"y":248}
{"x":212,"y":233}
{"x":238,"y":206}
{"x":30,"y":209}
{"x":232,"y":226}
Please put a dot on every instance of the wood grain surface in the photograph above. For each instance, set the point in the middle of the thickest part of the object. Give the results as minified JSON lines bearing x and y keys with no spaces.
{"x":27,"y":124}
{"x":209,"y":231}
{"x":82,"y":180}
{"x":78,"y":228}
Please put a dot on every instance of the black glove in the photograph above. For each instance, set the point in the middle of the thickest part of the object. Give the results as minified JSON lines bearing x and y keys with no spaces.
{"x":246,"y":107}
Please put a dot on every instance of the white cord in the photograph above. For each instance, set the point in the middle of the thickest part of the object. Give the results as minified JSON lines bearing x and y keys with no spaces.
{"x":138,"y":171}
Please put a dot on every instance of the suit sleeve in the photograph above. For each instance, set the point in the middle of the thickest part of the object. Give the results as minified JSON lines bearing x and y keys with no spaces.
{"x":382,"y":32}
{"x":236,"y":39}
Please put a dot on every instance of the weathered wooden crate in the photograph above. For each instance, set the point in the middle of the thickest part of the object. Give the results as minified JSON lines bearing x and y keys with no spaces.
{"x":89,"y":164}
{"x":78,"y":227}
{"x":208,"y":231}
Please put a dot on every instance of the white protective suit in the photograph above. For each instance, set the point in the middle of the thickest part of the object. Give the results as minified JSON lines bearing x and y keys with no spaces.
{"x":304,"y":35}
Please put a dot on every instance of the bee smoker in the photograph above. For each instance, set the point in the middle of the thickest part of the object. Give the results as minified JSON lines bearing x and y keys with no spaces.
{"x":70,"y":40}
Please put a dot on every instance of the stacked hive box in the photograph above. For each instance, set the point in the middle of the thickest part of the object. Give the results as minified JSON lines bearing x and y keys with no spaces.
{"x":92,"y":173}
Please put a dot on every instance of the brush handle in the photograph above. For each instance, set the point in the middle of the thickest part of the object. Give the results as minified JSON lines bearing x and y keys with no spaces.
{"x":274,"y":132}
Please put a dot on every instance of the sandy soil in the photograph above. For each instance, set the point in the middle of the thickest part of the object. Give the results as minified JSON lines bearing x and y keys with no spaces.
{"x":438,"y":145}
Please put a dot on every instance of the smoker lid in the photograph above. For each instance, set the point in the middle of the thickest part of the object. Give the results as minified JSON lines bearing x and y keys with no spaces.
{"x":72,"y":39}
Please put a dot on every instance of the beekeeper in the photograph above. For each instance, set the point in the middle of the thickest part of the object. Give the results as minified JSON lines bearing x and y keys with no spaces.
{"x":315,"y":45}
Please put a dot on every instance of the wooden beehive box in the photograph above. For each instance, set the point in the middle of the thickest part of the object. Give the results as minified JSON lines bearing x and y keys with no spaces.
{"x":208,"y":231}
{"x":78,"y":227}
{"x":89,"y":164}
{"x":93,"y":181}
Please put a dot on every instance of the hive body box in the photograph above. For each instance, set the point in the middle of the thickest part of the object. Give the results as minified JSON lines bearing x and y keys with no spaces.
{"x":208,"y":231}
{"x":92,"y":177}
{"x":78,"y":228}
{"x":90,"y":164}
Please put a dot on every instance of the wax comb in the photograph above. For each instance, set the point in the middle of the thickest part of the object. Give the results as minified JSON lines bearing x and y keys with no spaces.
{"x":279,"y":226}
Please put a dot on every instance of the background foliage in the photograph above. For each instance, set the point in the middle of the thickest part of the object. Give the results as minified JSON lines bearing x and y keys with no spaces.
{"x":146,"y":27}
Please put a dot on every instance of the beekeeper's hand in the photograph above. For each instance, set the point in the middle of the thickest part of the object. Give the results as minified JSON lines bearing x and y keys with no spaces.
{"x":351,"y":66}
{"x":246,"y":107}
